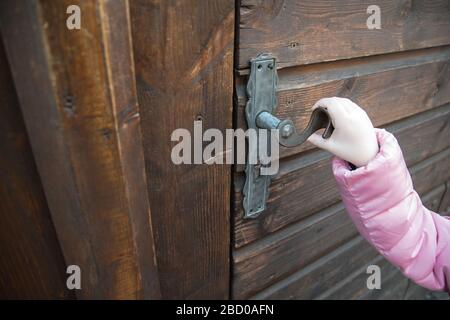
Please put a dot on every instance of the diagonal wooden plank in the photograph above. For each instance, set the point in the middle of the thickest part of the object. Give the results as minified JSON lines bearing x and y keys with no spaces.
{"x":31,"y":262}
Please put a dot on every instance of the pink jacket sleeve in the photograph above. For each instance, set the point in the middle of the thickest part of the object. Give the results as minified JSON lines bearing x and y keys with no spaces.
{"x":386,"y":210}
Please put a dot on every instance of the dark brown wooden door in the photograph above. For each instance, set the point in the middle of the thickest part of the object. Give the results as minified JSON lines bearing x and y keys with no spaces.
{"x":88,"y":144}
{"x":304,"y":246}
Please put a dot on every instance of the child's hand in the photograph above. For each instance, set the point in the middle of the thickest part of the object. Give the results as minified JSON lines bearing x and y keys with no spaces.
{"x":353,"y":138}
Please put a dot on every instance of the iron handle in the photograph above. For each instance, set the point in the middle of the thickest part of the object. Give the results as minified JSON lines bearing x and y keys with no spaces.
{"x":261,"y":105}
{"x":289,"y":137}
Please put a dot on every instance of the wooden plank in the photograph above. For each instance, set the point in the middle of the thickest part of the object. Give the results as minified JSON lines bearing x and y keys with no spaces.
{"x":292,"y":196}
{"x":393,"y":288}
{"x":433,"y":295}
{"x":415,"y":292}
{"x":393,"y":285}
{"x":322,"y":274}
{"x":272,"y":258}
{"x":389,"y":88}
{"x":333,"y":274}
{"x":184,"y":64}
{"x":31,"y":262}
{"x":303,"y":32}
{"x":84,"y":130}
{"x":444,"y":207}
{"x":431,"y":200}
{"x":431,"y":172}
{"x":355,"y":287}
{"x":283,"y":252}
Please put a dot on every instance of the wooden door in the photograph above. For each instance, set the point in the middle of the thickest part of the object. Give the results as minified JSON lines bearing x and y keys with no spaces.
{"x":304,"y":246}
{"x":91,"y":126}
{"x":87,"y":117}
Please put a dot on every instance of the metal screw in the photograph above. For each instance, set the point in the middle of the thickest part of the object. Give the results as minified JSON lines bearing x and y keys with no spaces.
{"x":287,"y":130}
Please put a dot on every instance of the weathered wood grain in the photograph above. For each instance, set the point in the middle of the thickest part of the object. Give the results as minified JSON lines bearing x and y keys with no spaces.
{"x":444,"y":208}
{"x":184,"y":63}
{"x":322,"y":274}
{"x":304,"y":32}
{"x":305,"y":185}
{"x":77,"y":95}
{"x":432,"y":200}
{"x":393,"y":284}
{"x":415,"y":292}
{"x":31,"y":262}
{"x":389,"y":88}
{"x":333,"y":274}
{"x":400,"y":75}
{"x":272,"y":258}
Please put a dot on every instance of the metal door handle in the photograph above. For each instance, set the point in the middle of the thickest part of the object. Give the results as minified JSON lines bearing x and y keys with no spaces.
{"x":289,"y":137}
{"x":261,"y":105}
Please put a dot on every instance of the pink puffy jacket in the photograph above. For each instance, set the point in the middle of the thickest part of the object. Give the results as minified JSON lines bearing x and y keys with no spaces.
{"x":388,"y":213}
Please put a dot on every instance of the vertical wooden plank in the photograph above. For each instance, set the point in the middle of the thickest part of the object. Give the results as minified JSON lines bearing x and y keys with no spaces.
{"x":31,"y":262}
{"x":184,"y":63}
{"x":77,"y":95}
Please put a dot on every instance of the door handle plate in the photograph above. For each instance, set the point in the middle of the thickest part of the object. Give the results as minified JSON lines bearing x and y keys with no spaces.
{"x":261,"y":91}
{"x":259,"y":110}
